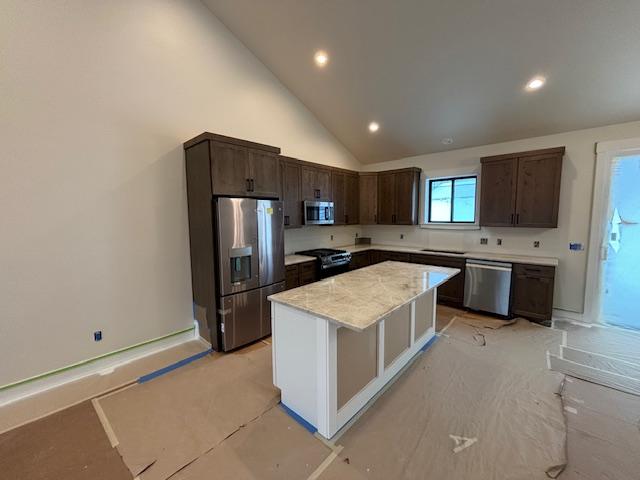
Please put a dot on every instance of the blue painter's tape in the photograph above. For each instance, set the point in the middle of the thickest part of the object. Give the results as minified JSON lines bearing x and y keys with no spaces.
{"x":299,"y":419}
{"x":429,"y":343}
{"x":173,"y":366}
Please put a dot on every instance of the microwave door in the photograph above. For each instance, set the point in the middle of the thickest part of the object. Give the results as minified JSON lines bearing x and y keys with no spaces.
{"x":237,"y":253}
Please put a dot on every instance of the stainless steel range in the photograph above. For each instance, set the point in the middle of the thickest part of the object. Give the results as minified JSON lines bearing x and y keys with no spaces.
{"x":329,"y":261}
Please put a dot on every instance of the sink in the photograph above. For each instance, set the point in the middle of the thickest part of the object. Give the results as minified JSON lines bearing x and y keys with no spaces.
{"x":428,"y":250}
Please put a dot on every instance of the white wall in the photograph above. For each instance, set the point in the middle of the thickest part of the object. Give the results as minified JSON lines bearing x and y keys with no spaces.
{"x":574,"y":216}
{"x":97,"y":98}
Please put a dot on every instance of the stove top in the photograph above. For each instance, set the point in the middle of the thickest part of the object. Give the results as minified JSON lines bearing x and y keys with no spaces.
{"x":321,"y":252}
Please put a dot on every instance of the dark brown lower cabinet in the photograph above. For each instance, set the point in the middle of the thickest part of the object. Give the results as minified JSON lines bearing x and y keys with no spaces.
{"x":360,"y":259}
{"x":452,"y":291}
{"x":384,"y":256}
{"x":300,"y":274}
{"x":532,"y":292}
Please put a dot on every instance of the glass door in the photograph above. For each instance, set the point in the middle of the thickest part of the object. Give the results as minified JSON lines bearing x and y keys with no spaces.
{"x":620,"y":269}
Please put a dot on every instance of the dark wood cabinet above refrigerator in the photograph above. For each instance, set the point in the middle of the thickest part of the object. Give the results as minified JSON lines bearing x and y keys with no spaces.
{"x":521,"y":189}
{"x":240,"y":168}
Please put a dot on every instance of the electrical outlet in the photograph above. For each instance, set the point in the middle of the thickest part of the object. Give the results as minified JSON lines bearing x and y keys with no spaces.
{"x":402,"y":236}
{"x":536,"y":244}
{"x":576,"y":246}
{"x":332,"y":238}
{"x":356,"y":234}
{"x":97,"y":335}
{"x":484,"y":241}
{"x":498,"y":241}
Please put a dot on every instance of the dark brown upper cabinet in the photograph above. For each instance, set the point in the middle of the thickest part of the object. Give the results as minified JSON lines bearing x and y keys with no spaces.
{"x":521,"y":189}
{"x":352,"y":199}
{"x":345,"y":197}
{"x":315,"y":181}
{"x":368,"y":193}
{"x":291,"y":194}
{"x":239,"y":167}
{"x":398,"y":192}
{"x":338,"y":197}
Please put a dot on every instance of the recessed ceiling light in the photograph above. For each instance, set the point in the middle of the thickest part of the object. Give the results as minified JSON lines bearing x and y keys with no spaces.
{"x":374,"y":127}
{"x":535,"y":83}
{"x":321,"y":58}
{"x":447,"y":141}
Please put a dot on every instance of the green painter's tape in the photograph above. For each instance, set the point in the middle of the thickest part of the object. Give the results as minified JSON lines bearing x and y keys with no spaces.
{"x":91,"y":360}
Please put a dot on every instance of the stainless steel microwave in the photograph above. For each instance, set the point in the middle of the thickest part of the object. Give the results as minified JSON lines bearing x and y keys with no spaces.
{"x":318,"y":213}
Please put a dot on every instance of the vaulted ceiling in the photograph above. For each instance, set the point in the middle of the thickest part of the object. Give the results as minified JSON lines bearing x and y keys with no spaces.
{"x":427,"y":70}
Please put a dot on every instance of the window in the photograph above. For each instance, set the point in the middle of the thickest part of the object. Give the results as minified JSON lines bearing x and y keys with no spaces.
{"x":452,"y":200}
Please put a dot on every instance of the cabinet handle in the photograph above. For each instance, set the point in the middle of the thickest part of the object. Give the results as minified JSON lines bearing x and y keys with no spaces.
{"x":253,"y":187}
{"x":346,"y":218}
{"x":375,"y":218}
{"x":286,"y":219}
{"x":393,"y":218}
{"x":248,"y":182}
{"x":517,"y":218}
{"x":512,"y":222}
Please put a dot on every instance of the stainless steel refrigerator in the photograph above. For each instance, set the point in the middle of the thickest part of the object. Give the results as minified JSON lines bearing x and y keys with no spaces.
{"x":249,"y":256}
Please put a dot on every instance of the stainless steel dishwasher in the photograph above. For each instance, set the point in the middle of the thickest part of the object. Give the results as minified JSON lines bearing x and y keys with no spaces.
{"x":487,"y":286}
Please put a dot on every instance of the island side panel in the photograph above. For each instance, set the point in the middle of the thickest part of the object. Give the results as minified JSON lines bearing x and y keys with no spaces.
{"x":357,"y":361}
{"x":425,"y":314}
{"x":397,"y":334}
{"x":295,"y":360}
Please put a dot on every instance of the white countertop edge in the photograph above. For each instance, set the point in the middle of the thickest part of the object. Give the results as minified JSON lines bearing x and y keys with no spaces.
{"x":294,"y":259}
{"x":508,"y":257}
{"x":376,"y":321}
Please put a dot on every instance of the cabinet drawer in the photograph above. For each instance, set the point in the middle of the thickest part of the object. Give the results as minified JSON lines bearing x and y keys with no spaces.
{"x":307,"y":267}
{"x":534,"y":270}
{"x":359,"y":260}
{"x":307,"y":277}
{"x":291,"y":277}
{"x":394,"y":256}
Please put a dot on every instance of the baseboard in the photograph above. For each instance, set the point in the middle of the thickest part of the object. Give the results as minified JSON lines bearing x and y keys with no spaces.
{"x":575,"y":317}
{"x":103,"y":364}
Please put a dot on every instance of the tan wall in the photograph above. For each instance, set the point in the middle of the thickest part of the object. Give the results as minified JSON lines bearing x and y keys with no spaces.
{"x":97,"y":98}
{"x":575,"y":206}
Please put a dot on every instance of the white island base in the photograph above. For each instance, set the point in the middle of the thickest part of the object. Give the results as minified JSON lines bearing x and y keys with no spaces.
{"x":327,"y":372}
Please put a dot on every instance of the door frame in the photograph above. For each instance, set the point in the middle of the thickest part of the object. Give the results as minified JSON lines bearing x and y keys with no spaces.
{"x":605,"y":153}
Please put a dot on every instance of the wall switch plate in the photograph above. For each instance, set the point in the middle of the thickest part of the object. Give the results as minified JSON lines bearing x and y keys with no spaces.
{"x":536,"y":244}
{"x":499,"y":241}
{"x":97,"y":336}
{"x":484,"y":241}
{"x":576,"y":246}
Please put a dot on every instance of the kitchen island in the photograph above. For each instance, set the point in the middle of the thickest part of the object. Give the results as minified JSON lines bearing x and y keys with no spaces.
{"x":337,"y":342}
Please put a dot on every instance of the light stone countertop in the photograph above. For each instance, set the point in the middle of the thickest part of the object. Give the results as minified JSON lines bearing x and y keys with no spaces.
{"x":360,"y":298}
{"x":294,"y":259}
{"x":501,"y":257}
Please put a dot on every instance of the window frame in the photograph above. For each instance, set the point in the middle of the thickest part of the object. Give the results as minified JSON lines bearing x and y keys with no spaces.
{"x":453,"y":193}
{"x":425,"y":199}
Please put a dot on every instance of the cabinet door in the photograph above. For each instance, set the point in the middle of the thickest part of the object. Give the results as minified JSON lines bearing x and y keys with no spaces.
{"x":229,"y":169}
{"x":352,"y":199}
{"x":323,"y":183}
{"x":368,"y":199}
{"x":498,"y":193}
{"x":386,"y":198}
{"x":291,"y":196}
{"x":264,"y":171}
{"x":337,"y":195}
{"x":532,"y":295}
{"x":538,"y":191}
{"x":292,"y":277}
{"x":406,"y":194}
{"x":360,"y":260}
{"x":308,"y":182}
{"x":452,"y":291}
